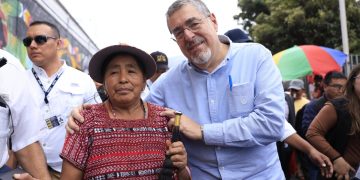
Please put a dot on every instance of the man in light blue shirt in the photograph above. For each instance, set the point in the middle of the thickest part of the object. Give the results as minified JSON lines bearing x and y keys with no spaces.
{"x":231,"y":95}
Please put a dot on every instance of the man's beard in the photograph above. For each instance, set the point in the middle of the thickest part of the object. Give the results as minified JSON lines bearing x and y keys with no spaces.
{"x":202,"y":57}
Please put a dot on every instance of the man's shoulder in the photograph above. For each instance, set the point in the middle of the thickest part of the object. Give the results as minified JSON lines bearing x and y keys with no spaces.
{"x":11,"y":60}
{"x":76,"y":75}
{"x":245,"y":51}
{"x":304,"y":99}
{"x":316,"y":103}
{"x":320,"y":100}
{"x":251,"y":46}
{"x":76,"y":71}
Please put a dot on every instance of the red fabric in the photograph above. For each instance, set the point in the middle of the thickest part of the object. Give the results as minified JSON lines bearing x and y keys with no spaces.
{"x":118,"y":149}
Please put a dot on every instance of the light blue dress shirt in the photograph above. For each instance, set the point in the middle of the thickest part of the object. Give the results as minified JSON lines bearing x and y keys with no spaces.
{"x":240,"y":104}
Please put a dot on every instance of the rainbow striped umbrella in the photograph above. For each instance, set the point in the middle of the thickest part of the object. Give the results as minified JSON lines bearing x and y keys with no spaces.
{"x":299,"y":61}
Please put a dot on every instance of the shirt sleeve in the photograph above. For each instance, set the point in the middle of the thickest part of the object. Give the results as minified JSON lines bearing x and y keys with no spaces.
{"x":288,"y":131}
{"x":322,"y":123}
{"x":76,"y":146}
{"x":25,"y":112}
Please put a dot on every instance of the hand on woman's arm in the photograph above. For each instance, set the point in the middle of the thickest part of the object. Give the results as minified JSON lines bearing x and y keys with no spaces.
{"x":188,"y":127}
{"x":74,"y":118}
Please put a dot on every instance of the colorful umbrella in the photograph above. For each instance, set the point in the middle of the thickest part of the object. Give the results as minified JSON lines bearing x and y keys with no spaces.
{"x":300,"y":61}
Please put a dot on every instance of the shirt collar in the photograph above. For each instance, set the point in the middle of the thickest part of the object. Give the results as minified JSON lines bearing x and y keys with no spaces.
{"x":42,"y":72}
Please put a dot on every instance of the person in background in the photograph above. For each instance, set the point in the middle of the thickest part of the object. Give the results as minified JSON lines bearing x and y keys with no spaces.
{"x":290,"y":138}
{"x":137,"y":131}
{"x":318,"y":87}
{"x":101,"y":91}
{"x":238,"y":36}
{"x":297,"y":90}
{"x":333,"y":85}
{"x":19,"y":120}
{"x":335,"y":130}
{"x":161,"y":67}
{"x":59,"y":88}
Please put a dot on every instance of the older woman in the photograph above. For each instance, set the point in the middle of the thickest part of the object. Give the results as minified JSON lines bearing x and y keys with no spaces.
{"x":123,"y":137}
{"x":335,"y":131}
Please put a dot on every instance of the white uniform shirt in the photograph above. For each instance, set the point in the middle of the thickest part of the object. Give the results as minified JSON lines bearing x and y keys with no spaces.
{"x":72,"y":89}
{"x":146,"y":90}
{"x":16,"y":90}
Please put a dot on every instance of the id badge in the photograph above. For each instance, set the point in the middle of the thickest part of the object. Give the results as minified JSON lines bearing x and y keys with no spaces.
{"x":53,"y":121}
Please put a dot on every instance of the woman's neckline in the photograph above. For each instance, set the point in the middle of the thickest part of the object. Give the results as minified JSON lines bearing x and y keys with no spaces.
{"x":111,"y":111}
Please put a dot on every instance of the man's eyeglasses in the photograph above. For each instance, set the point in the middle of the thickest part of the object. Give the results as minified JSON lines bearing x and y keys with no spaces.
{"x":192,"y":24}
{"x":40,"y":40}
{"x":337,"y":86}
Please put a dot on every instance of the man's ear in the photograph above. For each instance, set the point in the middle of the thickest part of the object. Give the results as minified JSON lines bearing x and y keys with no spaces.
{"x":59,"y":44}
{"x":214,"y":21}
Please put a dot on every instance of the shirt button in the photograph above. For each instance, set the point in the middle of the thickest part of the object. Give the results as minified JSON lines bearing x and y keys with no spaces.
{"x":44,"y":144}
{"x":218,"y":148}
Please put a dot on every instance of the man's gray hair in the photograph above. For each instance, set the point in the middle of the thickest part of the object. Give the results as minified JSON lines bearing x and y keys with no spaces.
{"x":198,"y":4}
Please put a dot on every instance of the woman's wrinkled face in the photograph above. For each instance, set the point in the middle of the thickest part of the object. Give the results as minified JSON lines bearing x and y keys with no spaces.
{"x":123,"y":79}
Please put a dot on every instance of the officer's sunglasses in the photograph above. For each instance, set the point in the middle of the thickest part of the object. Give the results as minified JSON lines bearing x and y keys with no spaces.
{"x":39,"y":39}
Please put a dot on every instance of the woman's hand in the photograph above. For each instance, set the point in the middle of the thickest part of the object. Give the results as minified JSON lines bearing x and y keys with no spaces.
{"x":342,"y":169}
{"x":178,"y":154}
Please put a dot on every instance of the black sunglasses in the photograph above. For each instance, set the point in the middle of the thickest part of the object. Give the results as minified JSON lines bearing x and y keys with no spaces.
{"x":40,"y":40}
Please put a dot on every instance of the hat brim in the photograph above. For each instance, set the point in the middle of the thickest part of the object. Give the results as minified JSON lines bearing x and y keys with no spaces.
{"x":102,"y":56}
{"x":162,"y":66}
{"x":295,"y":87}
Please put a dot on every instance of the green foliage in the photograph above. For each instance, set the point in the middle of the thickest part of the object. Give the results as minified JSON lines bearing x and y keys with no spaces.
{"x":281,"y":24}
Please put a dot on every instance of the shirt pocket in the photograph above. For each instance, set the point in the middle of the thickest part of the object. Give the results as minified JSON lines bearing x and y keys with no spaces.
{"x":241,"y":99}
{"x":71,"y":97}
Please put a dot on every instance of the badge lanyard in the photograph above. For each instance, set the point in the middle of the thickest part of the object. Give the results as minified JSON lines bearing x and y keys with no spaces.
{"x":46,"y":93}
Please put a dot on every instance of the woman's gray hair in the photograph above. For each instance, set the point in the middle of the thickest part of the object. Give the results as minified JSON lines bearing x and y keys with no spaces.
{"x":198,"y":4}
